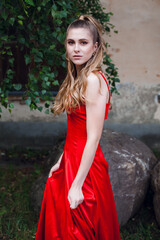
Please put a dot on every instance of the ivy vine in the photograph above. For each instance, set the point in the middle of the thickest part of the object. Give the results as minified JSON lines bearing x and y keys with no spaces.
{"x":38,"y":29}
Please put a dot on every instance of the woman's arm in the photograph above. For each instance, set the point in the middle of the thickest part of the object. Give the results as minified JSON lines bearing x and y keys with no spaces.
{"x":95,"y":112}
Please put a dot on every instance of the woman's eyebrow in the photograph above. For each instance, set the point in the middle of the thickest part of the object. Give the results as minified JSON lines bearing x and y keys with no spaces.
{"x":81,"y":39}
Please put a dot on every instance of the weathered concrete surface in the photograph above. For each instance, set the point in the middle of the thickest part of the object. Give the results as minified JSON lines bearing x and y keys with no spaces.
{"x":135,"y":104}
{"x":22,"y":113}
{"x":130,"y":163}
{"x":31,"y":134}
{"x":46,"y":134}
{"x":135,"y":49}
{"x":135,"y":111}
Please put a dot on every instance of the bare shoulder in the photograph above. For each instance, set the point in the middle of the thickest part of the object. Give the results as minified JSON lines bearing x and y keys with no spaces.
{"x":93,"y":83}
{"x":97,"y":83}
{"x":92,"y":79}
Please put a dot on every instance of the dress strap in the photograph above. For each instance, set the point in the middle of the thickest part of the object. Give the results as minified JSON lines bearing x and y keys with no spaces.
{"x":107,"y":85}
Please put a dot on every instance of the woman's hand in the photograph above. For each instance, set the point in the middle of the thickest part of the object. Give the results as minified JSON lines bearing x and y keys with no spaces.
{"x":56,"y":166}
{"x":75,"y":196}
{"x":53,"y":169}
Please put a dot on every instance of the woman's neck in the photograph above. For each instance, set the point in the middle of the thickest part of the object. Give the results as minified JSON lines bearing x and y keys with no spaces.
{"x":78,"y":69}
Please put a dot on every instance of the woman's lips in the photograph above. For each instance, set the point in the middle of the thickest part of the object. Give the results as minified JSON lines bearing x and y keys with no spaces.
{"x":77,"y":56}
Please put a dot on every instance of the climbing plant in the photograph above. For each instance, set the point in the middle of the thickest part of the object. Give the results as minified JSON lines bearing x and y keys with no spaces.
{"x":37,"y":29}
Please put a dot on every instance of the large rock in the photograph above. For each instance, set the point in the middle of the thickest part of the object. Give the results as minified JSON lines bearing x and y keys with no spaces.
{"x":130,"y":164}
{"x":155,"y":182}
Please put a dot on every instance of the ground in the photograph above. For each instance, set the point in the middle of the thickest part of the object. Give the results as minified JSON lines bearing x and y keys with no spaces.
{"x":19,"y":169}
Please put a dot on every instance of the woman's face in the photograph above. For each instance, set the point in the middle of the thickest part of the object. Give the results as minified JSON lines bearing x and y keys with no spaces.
{"x":80,"y":46}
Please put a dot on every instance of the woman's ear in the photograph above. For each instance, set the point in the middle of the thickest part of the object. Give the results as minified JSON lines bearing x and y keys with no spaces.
{"x":95,"y":46}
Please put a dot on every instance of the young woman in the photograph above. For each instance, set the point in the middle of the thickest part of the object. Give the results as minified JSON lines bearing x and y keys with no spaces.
{"x":78,"y":202}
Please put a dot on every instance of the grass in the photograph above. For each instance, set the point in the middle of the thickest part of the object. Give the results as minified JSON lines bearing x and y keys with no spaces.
{"x":143,"y":226}
{"x":17,"y":219}
{"x":19,"y":169}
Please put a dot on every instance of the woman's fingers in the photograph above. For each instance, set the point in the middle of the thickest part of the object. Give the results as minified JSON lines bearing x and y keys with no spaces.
{"x":53,"y":169}
{"x":73,"y":206}
{"x":74,"y":203}
{"x":50,"y":174}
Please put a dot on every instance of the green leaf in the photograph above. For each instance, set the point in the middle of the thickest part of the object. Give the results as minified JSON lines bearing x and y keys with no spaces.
{"x":33,"y":106}
{"x":47,"y":111}
{"x":54,"y":7}
{"x":6,"y":100}
{"x":7,"y":80}
{"x":17,"y":86}
{"x":10,"y":71}
{"x":63,"y":64}
{"x":27,"y":59}
{"x":26,"y":13}
{"x":12,"y":20}
{"x":59,"y":22}
{"x":53,"y":13}
{"x":45,"y":78}
{"x":0,"y":110}
{"x":52,"y":46}
{"x":11,"y":60}
{"x":28,"y":101}
{"x":47,"y":104}
{"x":37,"y":59}
{"x":111,"y":13}
{"x":9,"y":53}
{"x":44,"y":92}
{"x":39,"y":9}
{"x":4,"y":38}
{"x":20,"y":22}
{"x":40,"y":108}
{"x":11,"y":105}
{"x":116,"y":80}
{"x":30,"y":2}
{"x":21,"y":17}
{"x":48,"y":83}
{"x":40,"y":54}
{"x":4,"y":15}
{"x":37,"y":100}
{"x":22,"y":40}
{"x":55,"y":83}
{"x":36,"y":94}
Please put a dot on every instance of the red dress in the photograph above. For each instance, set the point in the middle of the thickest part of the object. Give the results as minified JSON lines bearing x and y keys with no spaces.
{"x":96,"y":217}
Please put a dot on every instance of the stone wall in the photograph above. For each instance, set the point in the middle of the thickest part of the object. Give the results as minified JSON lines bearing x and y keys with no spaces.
{"x":135,"y":51}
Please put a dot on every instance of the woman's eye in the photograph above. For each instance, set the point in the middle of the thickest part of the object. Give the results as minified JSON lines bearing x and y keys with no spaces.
{"x":84,"y":43}
{"x":70,"y":42}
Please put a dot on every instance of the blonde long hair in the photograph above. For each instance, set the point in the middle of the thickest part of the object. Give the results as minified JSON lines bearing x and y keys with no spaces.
{"x":72,"y":90}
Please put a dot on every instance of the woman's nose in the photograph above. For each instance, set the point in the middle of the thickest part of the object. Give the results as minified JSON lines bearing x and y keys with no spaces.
{"x":76,"y":48}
